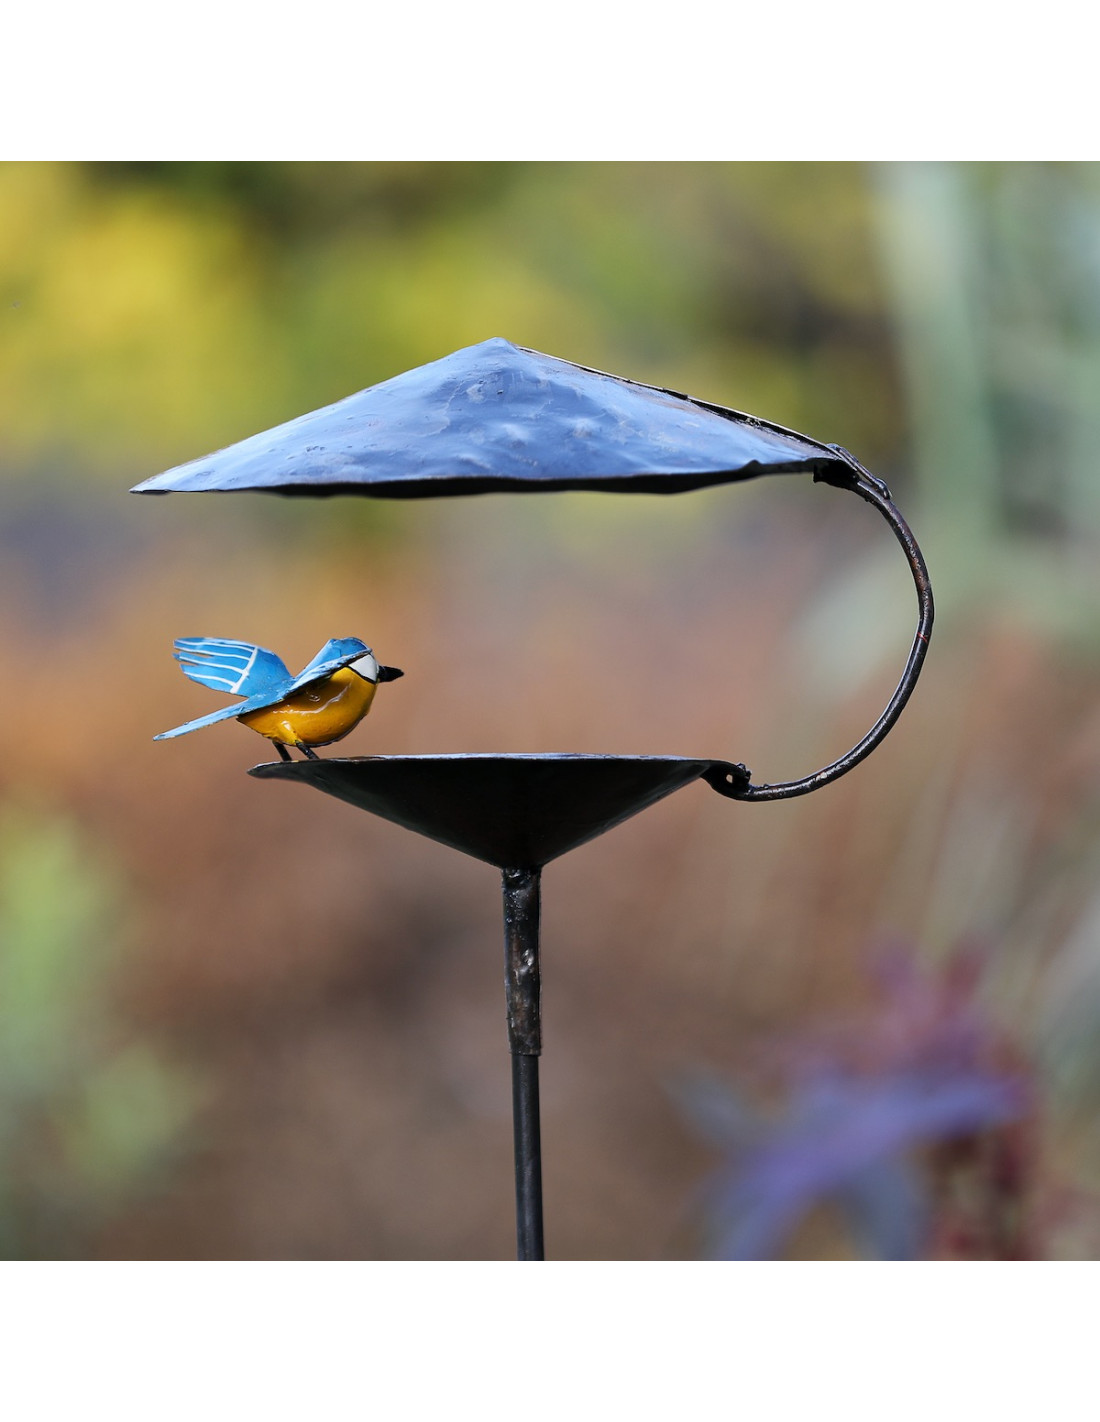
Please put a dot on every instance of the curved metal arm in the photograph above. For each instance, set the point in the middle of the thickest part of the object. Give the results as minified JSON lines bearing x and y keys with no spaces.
{"x":734,"y":780}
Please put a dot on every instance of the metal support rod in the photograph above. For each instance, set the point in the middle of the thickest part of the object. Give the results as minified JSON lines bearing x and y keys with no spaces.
{"x":522,"y":984}
{"x":528,"y":1151}
{"x":734,"y":780}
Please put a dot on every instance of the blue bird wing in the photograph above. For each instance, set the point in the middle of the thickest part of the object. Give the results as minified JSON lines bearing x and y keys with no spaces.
{"x":336,"y":653}
{"x":238,"y":668}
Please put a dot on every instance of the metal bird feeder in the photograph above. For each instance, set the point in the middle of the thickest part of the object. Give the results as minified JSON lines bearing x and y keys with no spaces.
{"x":496,"y":417}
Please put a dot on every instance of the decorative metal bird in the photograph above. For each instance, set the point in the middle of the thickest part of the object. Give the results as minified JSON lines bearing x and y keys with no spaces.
{"x":327,"y":699}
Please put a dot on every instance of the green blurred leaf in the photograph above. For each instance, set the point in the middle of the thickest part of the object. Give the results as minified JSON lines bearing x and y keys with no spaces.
{"x":85,"y":1114}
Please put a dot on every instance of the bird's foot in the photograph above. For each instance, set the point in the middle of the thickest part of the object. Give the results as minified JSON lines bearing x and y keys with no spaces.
{"x":284,"y":754}
{"x":300,"y":745}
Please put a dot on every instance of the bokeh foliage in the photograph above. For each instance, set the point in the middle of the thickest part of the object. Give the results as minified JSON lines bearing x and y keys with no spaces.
{"x":941,"y":320}
{"x":88,"y":1116}
{"x":150,"y":309}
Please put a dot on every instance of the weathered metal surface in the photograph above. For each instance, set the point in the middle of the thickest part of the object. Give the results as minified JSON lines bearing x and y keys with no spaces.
{"x":523,"y":990}
{"x":522,"y":974}
{"x":500,"y":417}
{"x":514,"y":811}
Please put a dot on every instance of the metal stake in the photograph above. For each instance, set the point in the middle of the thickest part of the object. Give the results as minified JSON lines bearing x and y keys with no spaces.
{"x":522,"y":985}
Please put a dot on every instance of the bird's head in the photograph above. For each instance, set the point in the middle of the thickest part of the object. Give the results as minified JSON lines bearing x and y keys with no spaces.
{"x":367,"y":667}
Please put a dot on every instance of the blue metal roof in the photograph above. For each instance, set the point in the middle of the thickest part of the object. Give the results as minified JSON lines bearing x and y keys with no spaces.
{"x":499,"y":417}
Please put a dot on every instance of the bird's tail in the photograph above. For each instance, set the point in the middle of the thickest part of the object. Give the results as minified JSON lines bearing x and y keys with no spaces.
{"x":224,"y":713}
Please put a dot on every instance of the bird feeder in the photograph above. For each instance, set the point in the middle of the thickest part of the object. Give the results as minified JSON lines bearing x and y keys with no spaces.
{"x":498,"y":418}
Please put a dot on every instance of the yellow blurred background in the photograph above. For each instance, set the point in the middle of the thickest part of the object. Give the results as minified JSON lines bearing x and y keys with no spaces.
{"x":238,"y":1021}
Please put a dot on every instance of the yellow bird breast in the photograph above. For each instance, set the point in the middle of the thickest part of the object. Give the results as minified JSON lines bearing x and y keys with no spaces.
{"x":323,"y":712}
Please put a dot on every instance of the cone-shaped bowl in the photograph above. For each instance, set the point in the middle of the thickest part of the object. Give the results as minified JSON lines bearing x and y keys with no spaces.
{"x":510,"y":810}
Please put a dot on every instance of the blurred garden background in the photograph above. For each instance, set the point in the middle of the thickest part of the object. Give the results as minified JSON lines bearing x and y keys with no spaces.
{"x":238,"y":1021}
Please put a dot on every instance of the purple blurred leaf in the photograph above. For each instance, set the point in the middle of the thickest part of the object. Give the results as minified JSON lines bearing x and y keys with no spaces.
{"x":888,"y":1209}
{"x":718,"y":1113}
{"x":838,"y":1134}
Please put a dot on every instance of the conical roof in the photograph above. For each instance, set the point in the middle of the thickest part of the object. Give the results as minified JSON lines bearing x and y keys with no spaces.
{"x":499,"y":417}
